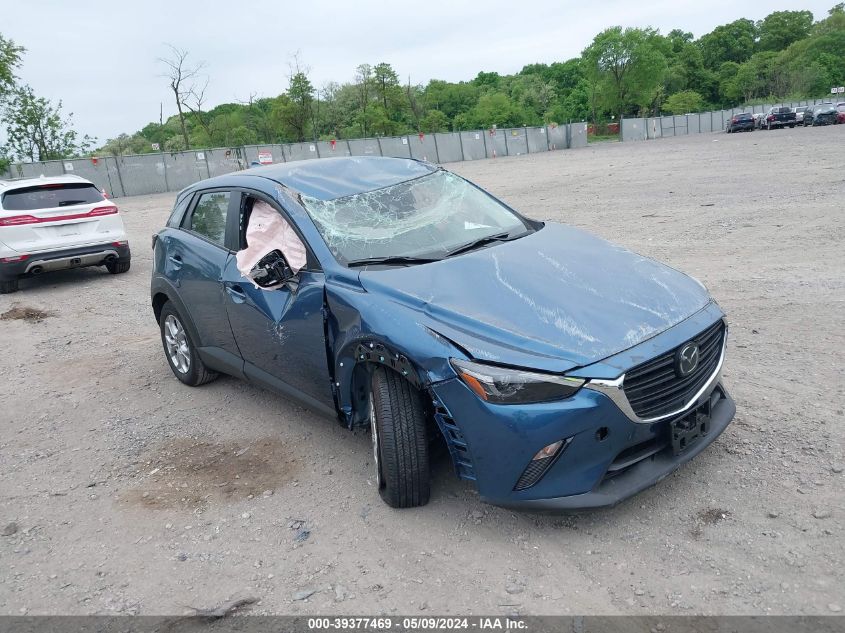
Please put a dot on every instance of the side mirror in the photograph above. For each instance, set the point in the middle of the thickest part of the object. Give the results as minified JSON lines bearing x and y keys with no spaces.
{"x":272,"y":270}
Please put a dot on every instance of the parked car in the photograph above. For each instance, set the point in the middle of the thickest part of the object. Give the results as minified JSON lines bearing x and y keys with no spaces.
{"x":780,"y":116}
{"x":759,"y":120}
{"x":51,"y":223}
{"x":840,"y":113}
{"x":823,"y":114}
{"x":799,"y":114}
{"x":561,"y":371}
{"x":742,"y":122}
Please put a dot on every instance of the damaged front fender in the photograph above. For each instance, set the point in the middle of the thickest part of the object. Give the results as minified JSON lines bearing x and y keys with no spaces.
{"x":390,"y":335}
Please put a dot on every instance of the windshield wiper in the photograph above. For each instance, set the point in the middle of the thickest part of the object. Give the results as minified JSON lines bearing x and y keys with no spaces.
{"x":487,"y":239}
{"x":398,"y":260}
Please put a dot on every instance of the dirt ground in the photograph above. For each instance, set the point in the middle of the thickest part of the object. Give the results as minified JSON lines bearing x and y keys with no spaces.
{"x":131,"y":493}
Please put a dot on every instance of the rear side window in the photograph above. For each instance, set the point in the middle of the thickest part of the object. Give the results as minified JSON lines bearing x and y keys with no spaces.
{"x":209,"y":216}
{"x":51,"y":196}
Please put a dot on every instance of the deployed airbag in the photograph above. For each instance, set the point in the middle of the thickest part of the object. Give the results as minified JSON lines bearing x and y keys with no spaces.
{"x":267,"y":231}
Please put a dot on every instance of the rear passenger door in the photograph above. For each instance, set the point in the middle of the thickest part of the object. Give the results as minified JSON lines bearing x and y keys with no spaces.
{"x":195,"y":264}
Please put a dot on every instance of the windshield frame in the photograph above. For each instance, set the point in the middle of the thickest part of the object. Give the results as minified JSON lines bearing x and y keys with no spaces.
{"x":528,"y":225}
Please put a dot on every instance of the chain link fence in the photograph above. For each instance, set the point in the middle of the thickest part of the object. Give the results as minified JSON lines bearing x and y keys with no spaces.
{"x":140,"y":174}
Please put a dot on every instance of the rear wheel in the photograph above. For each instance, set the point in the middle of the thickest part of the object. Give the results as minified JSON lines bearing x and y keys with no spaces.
{"x":180,"y":350}
{"x":118,"y":267}
{"x":8,"y":287}
{"x":400,"y":441}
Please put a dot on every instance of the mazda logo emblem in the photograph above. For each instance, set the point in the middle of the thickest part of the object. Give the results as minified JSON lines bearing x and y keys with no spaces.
{"x":686,"y":359}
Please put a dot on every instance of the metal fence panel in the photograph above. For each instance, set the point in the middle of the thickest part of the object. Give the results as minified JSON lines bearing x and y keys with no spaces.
{"x":653,"y":128}
{"x":144,"y":173}
{"x":423,"y":148}
{"x":557,"y":135}
{"x":680,"y":123}
{"x":364,"y":147}
{"x":300,"y":151}
{"x":271,"y":153}
{"x":668,"y":126}
{"x":538,"y":141}
{"x":449,"y":147}
{"x":327,"y":150}
{"x":495,"y":140}
{"x":633,"y":130}
{"x":48,"y":168}
{"x":516,"y":141}
{"x":705,"y":122}
{"x":184,"y":168}
{"x":224,"y":160}
{"x":474,"y":144}
{"x":578,"y":135}
{"x":395,"y":146}
{"x":103,"y":173}
{"x":693,"y":124}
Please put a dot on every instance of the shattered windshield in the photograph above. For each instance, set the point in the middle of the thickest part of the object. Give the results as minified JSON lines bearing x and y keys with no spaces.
{"x":428,"y":217}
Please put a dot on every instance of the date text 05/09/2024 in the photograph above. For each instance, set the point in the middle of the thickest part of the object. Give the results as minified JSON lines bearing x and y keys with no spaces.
{"x":430,"y":623}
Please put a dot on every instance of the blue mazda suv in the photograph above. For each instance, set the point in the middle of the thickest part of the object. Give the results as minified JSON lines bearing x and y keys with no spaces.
{"x":559,"y":370}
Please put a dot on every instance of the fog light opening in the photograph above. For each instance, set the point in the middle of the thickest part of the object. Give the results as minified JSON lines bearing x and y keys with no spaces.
{"x":548,"y":451}
{"x":602,"y":434}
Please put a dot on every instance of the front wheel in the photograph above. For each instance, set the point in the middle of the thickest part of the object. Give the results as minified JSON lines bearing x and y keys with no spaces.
{"x":400,"y":441}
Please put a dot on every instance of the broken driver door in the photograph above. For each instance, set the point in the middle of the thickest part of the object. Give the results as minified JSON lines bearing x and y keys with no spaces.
{"x":275,"y":310}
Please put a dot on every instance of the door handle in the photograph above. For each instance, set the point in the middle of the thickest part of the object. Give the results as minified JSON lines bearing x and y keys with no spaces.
{"x":236,"y":293}
{"x":176,"y":260}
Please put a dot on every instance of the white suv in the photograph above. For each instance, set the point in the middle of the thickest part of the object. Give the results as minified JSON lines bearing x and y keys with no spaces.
{"x":50,"y":223}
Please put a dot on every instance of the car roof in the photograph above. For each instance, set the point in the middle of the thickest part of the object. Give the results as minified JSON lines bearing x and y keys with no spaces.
{"x":330,"y":178}
{"x":20,"y":183}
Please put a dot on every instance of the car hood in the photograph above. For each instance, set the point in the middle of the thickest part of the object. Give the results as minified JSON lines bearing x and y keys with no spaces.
{"x":556,"y":299}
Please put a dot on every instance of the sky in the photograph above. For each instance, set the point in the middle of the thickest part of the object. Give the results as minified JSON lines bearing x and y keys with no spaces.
{"x":100,"y":58}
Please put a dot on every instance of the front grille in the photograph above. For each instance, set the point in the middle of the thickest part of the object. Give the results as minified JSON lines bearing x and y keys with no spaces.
{"x":654,"y":389}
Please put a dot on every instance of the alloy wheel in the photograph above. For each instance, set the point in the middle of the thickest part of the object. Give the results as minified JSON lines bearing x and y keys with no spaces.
{"x":177,"y":344}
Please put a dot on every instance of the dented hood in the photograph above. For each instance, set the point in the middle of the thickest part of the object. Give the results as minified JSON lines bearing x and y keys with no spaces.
{"x":553,"y":300}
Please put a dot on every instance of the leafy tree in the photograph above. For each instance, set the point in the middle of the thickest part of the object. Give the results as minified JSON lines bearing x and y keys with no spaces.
{"x":734,"y":42}
{"x":684,"y":102}
{"x":298,"y":114}
{"x":434,"y":121}
{"x":628,"y":67}
{"x":36,"y":129}
{"x":492,"y":109}
{"x":781,"y":28}
{"x":389,"y":95}
{"x":10,"y":59}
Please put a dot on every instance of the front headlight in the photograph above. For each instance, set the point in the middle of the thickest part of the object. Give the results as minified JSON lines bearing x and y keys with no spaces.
{"x":501,"y":385}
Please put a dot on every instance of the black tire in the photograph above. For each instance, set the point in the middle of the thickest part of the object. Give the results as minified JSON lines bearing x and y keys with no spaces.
{"x":116,"y":268}
{"x":193,"y":372}
{"x":400,"y":441}
{"x":8,"y":287}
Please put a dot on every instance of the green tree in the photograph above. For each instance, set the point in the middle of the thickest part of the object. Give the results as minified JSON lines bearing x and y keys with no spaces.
{"x":734,"y":42}
{"x":389,"y":95}
{"x":36,"y":129}
{"x":10,"y":59}
{"x":684,"y":102}
{"x":781,"y":28}
{"x":628,"y":67}
{"x":492,"y":109}
{"x":298,"y":114}
{"x":434,"y":121}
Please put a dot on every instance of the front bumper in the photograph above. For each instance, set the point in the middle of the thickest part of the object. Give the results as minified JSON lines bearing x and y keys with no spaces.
{"x":608,"y":456}
{"x":79,"y":257}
